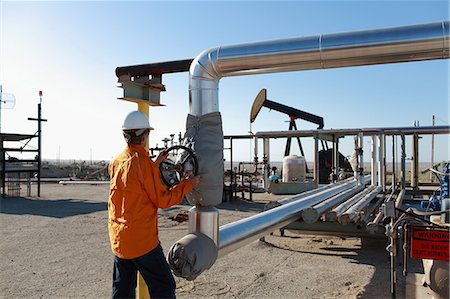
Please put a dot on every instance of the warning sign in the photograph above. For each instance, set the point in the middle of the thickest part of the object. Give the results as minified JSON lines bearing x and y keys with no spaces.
{"x":430,"y":243}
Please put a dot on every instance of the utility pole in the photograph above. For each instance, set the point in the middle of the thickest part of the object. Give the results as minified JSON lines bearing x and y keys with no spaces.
{"x":39,"y":134}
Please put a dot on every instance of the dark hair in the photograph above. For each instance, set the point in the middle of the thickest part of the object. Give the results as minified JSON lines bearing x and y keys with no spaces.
{"x":131,"y":136}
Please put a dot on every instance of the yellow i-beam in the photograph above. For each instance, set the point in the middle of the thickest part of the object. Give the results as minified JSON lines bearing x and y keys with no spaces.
{"x":142,"y":289}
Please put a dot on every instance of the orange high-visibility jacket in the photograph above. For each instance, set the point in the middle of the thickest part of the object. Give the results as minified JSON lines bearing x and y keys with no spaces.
{"x":136,"y":193}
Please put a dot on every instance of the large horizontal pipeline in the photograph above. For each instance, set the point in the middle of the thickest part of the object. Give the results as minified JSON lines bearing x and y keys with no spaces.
{"x":358,"y":48}
{"x":240,"y":233}
{"x":413,"y":35}
{"x":366,"y":132}
{"x":365,"y":47}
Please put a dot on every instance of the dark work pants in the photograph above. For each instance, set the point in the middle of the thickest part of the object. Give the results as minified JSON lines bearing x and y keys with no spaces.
{"x":153,"y":268}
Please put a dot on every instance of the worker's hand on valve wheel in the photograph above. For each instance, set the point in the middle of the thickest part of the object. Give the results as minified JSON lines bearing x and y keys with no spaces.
{"x":195,"y":180}
{"x":161,"y":157}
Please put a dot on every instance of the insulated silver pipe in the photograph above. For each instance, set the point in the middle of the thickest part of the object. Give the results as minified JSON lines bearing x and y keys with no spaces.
{"x":399,"y":199}
{"x":240,"y":233}
{"x":355,"y":209}
{"x":312,"y":214}
{"x":368,"y":47}
{"x":340,"y":209}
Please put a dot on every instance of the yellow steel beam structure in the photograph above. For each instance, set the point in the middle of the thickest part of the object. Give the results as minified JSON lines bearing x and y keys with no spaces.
{"x":142,"y":289}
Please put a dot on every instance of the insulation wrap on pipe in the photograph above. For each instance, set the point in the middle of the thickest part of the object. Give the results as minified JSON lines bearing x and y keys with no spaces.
{"x":205,"y":135}
{"x":191,"y":255}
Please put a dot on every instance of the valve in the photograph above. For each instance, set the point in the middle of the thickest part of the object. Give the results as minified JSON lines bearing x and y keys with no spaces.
{"x":180,"y":163}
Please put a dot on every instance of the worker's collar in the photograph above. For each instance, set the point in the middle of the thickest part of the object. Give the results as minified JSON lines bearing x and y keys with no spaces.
{"x":138,"y":148}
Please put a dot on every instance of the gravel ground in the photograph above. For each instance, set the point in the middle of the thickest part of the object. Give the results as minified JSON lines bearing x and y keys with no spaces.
{"x":57,"y":246}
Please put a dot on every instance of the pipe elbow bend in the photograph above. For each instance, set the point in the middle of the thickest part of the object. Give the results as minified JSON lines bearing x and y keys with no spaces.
{"x":205,"y":67}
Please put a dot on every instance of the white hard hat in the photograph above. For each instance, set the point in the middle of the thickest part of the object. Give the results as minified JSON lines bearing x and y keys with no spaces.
{"x":136,"y":120}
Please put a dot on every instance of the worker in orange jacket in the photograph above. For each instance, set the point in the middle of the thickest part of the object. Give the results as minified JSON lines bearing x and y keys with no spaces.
{"x":136,"y":193}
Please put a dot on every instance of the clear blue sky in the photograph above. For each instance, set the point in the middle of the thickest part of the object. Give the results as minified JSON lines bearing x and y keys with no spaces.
{"x":70,"y":51}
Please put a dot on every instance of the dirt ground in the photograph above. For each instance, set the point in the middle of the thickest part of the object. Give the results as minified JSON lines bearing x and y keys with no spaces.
{"x":57,"y":246}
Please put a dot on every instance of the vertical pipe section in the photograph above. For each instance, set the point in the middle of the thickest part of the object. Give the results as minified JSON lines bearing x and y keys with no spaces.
{"x":255,"y":150}
{"x":356,"y":172}
{"x":415,"y":162}
{"x":39,"y":150}
{"x":374,"y":161}
{"x":266,"y":155}
{"x":204,"y":220}
{"x":232,"y":174}
{"x":361,"y":157}
{"x":335,"y":157}
{"x":381,"y":162}
{"x":403,"y":162}
{"x":394,"y":179}
{"x":316,"y":162}
{"x":3,"y":169}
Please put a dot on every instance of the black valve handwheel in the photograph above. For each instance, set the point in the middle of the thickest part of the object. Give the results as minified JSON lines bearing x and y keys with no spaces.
{"x":180,"y":163}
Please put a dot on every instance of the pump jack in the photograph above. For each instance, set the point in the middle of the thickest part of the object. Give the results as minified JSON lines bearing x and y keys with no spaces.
{"x":293,"y":113}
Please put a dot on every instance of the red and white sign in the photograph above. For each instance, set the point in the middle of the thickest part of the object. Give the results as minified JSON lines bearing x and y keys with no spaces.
{"x":430,"y":243}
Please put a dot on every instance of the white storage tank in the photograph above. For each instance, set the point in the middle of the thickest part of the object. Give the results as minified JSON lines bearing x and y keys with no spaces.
{"x":294,"y":169}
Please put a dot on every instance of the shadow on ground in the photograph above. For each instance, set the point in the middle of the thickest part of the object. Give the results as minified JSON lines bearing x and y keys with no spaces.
{"x":242,"y":205}
{"x":55,"y":208}
{"x":373,"y":254}
{"x":235,"y":205}
{"x":376,"y":255}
